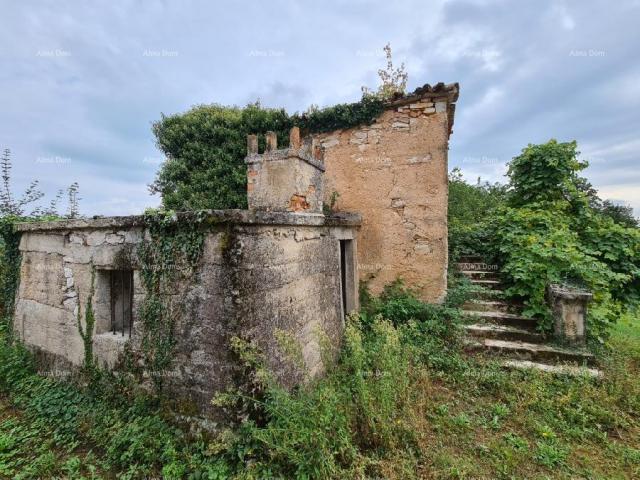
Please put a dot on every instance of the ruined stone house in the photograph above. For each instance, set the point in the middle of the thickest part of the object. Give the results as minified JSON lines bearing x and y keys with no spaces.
{"x":283,"y":267}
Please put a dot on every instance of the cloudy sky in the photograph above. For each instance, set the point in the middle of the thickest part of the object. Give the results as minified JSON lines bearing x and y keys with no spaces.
{"x":81,"y":82}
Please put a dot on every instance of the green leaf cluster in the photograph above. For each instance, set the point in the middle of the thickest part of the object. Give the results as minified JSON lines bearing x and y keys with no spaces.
{"x":551,"y":231}
{"x":470,"y":209}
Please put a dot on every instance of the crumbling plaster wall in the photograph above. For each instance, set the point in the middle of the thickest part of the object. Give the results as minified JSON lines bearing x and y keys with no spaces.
{"x":56,"y":273}
{"x":265,"y":278}
{"x":394,"y":173}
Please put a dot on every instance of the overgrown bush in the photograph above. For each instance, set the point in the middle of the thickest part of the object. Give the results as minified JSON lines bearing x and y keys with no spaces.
{"x":549,"y":232}
{"x":548,"y":225}
{"x":363,"y":410}
{"x":332,"y":427}
{"x":130,"y":436}
{"x":540,"y":246}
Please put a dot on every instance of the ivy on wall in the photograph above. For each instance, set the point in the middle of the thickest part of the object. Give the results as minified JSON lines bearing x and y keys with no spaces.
{"x":86,"y":332}
{"x":168,"y":260}
{"x":341,"y":116}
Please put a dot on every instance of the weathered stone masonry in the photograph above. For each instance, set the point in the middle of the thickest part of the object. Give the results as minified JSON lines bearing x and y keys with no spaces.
{"x":394,"y":173}
{"x":260,"y":273}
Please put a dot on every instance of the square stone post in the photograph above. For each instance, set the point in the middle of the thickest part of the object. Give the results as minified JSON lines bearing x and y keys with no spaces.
{"x":569,"y":308}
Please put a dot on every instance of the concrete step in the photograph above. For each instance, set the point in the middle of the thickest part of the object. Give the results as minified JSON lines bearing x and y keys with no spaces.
{"x":504,"y":332}
{"x":502,"y":318}
{"x":492,"y":284}
{"x":491,"y":305}
{"x":531,"y":351}
{"x":571,"y":370}
{"x":481,"y":274}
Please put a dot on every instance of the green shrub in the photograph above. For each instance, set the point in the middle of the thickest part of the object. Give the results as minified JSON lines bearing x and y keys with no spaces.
{"x":540,"y":246}
{"x":205,"y":148}
{"x":364,"y":409}
{"x":550,"y":232}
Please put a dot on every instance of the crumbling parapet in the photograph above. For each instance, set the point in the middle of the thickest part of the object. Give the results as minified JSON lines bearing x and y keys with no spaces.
{"x":569,"y":309}
{"x":285,"y":180}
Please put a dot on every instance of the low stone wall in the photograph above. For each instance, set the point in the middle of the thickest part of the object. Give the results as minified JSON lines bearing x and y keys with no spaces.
{"x":261,"y":276}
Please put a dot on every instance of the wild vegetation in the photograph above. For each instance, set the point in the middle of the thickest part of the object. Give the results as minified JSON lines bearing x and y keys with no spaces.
{"x":13,"y":209}
{"x":548,"y":225}
{"x":402,"y":401}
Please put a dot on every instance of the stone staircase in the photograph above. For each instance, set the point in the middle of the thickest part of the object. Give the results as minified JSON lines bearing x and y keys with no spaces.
{"x":498,"y":328}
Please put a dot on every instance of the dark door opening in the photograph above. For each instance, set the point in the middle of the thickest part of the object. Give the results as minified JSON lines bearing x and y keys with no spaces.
{"x":348,"y":285}
{"x":121,"y":290}
{"x":343,"y":275}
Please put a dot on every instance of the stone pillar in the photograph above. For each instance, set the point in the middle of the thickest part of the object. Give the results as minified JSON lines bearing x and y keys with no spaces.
{"x":294,"y":138}
{"x":252,"y":144}
{"x":272,"y":141}
{"x":569,"y":308}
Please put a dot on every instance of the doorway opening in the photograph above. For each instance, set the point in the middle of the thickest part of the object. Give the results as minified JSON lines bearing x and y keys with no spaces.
{"x":121,"y":293}
{"x":347,"y":277}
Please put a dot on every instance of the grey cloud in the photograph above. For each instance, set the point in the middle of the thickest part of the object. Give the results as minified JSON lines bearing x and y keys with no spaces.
{"x":85,"y":82}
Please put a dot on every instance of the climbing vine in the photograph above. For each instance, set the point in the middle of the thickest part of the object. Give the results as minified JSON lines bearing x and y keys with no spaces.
{"x":86,"y":333}
{"x":10,"y":260}
{"x":168,"y":260}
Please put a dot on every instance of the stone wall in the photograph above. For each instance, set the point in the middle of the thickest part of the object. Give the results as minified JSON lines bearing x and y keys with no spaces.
{"x":394,"y":173}
{"x":263,"y":277}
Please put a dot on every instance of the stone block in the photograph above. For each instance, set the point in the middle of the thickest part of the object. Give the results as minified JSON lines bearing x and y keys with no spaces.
{"x":39,"y":242}
{"x":569,"y":308}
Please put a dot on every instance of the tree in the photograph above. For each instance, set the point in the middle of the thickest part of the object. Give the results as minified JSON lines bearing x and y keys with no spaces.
{"x":621,"y":214}
{"x":204,"y":150}
{"x":547,"y":172}
{"x":470,"y":208}
{"x":555,"y":229}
